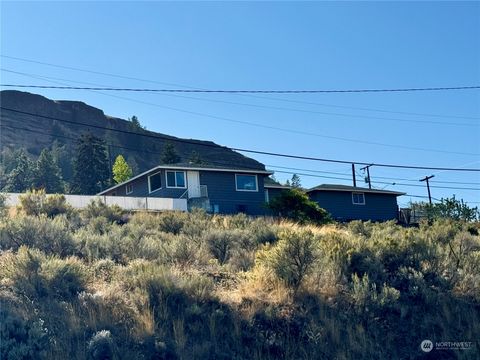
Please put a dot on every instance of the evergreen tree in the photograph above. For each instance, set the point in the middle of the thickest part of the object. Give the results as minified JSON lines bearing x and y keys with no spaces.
{"x":136,"y":123}
{"x":169,"y":154}
{"x":295,"y":181}
{"x":20,"y":178}
{"x":121,"y":170}
{"x":90,"y":166}
{"x":47,"y":173}
{"x":62,"y":156}
{"x":133,"y":165}
{"x":195,"y":158}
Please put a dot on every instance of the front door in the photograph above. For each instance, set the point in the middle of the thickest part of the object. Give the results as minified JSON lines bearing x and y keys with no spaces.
{"x":193,"y":180}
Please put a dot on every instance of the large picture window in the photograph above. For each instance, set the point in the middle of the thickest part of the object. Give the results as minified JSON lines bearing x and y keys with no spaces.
{"x":176,"y":179}
{"x":154,"y":182}
{"x":246,"y":182}
{"x":358,"y":198}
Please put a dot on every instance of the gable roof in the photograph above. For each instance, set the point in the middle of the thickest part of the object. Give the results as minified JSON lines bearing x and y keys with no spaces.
{"x":268,"y":182}
{"x":186,"y":167}
{"x":334,"y":187}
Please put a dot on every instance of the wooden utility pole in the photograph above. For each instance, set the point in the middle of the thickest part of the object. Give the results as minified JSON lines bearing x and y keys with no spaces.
{"x":426,"y":178}
{"x":368,"y":174}
{"x":353,"y":175}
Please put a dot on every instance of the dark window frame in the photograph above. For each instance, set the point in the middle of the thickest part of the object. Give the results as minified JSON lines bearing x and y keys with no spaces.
{"x":149,"y":182}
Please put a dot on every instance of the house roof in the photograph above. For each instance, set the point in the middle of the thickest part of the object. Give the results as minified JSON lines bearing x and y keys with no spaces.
{"x":189,"y":166}
{"x":268,"y":182}
{"x":334,"y":187}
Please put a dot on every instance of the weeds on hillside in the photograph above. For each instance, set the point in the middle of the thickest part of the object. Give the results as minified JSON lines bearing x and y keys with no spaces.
{"x":103,"y":284}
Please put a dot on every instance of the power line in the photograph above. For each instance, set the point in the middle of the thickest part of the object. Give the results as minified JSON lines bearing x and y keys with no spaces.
{"x":293,"y":131}
{"x":445,"y":88}
{"x":216,"y":162}
{"x":259,"y":97}
{"x":198,"y":142}
{"x":380,"y":182}
{"x":376,"y":177}
{"x":265,"y":106}
{"x":227,"y":163}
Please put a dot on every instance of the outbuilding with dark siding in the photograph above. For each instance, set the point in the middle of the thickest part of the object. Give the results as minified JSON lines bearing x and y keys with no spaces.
{"x":346,"y":203}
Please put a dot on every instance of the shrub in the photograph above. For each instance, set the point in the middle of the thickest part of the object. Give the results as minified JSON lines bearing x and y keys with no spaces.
{"x":293,"y":257}
{"x":366,"y":298}
{"x":172,"y":221}
{"x":182,"y":251}
{"x":50,"y":236}
{"x":262,"y":232}
{"x":37,"y":202}
{"x":22,"y":333}
{"x":101,"y":346}
{"x":22,"y":272}
{"x":64,"y":278}
{"x":221,"y":243}
{"x":96,"y":208}
{"x":3,"y":205}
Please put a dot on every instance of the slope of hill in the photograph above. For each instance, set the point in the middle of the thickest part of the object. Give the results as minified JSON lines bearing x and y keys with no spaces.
{"x":39,"y":132}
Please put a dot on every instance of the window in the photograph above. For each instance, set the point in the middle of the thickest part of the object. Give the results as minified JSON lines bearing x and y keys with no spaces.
{"x":175,"y":179}
{"x":358,"y":198}
{"x":154,"y":182}
{"x":246,"y":182}
{"x":129,"y":189}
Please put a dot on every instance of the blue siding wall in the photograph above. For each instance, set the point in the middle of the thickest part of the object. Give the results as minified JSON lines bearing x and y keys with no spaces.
{"x":221,"y":192}
{"x":140,"y":188}
{"x":378,"y":207}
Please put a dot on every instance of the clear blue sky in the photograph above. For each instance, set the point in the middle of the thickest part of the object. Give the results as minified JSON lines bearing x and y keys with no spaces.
{"x":274,"y":45}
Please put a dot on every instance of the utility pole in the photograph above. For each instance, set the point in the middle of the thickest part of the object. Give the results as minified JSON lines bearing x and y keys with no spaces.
{"x":368,"y":174}
{"x":426,"y":178}
{"x":353,"y":175}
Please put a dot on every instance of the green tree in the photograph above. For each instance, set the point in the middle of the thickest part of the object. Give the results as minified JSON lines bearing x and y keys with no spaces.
{"x":90,"y":166}
{"x":20,"y":178}
{"x":169,"y":154}
{"x":295,"y":181}
{"x":294,"y":204}
{"x":121,"y":170}
{"x":62,"y":155}
{"x":449,"y":208}
{"x":47,"y":173}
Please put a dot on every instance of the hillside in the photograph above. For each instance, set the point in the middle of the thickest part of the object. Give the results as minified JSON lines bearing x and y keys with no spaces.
{"x":98,"y":284}
{"x":41,"y":132}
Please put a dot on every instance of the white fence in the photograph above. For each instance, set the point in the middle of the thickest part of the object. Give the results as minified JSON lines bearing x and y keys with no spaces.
{"x":125,"y":202}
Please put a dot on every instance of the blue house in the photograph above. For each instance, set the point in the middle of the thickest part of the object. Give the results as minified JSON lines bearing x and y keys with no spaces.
{"x":215,"y":189}
{"x":347,"y":203}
